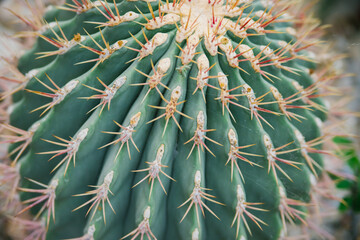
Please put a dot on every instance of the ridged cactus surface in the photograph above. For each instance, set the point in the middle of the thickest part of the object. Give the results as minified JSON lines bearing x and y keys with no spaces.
{"x":186,"y":119}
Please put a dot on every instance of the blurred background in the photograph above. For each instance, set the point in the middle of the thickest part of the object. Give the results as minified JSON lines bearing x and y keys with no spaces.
{"x":344,"y":18}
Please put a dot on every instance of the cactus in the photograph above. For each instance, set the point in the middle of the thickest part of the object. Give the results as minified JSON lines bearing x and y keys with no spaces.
{"x":168,"y":120}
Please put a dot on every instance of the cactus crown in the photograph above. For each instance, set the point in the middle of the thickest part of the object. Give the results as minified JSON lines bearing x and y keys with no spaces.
{"x":176,"y":110}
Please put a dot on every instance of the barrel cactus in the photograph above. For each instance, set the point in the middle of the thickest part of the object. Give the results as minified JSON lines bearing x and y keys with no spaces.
{"x":176,"y":119}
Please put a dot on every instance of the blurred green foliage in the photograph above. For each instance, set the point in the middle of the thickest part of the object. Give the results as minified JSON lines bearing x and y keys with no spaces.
{"x":348,"y":152}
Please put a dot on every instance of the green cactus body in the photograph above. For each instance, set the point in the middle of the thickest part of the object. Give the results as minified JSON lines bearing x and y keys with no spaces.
{"x":168,"y":120}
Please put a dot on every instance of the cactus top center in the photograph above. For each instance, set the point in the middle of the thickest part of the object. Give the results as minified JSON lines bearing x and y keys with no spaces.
{"x":202,"y":17}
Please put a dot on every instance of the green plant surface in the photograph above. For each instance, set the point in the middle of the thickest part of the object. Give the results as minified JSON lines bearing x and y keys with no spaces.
{"x":169,"y":120}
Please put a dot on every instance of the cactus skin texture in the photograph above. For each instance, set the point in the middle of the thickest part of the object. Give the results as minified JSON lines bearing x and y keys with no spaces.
{"x":168,"y":120}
